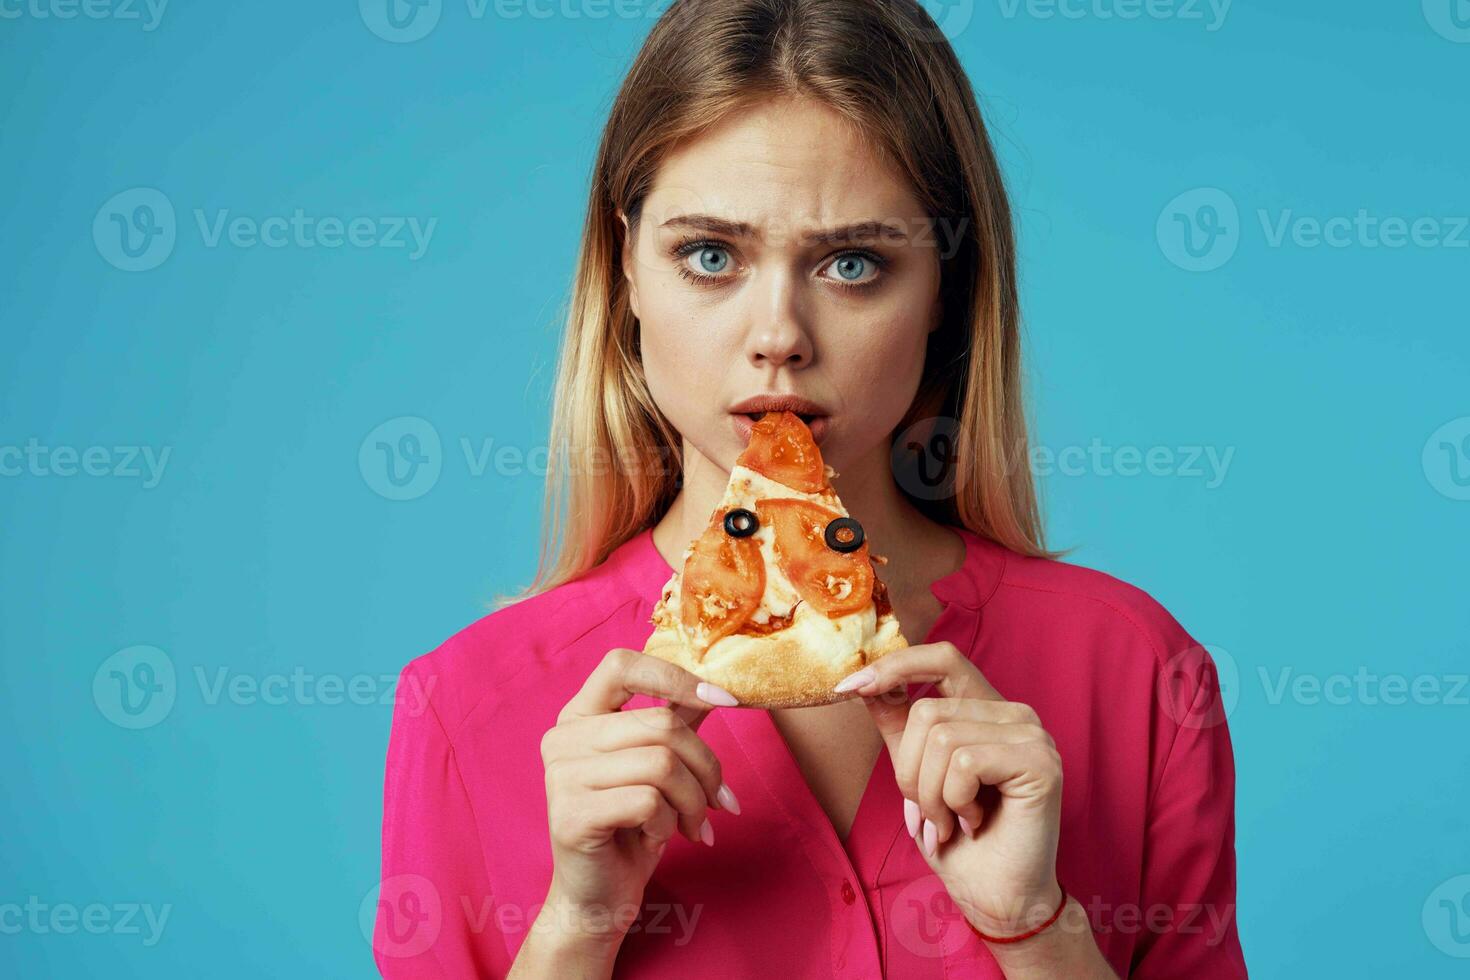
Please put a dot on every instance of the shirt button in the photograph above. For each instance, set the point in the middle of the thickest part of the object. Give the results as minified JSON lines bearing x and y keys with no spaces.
{"x":848,"y":895}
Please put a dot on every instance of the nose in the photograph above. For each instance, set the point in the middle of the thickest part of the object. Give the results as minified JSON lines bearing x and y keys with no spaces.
{"x":780,"y":337}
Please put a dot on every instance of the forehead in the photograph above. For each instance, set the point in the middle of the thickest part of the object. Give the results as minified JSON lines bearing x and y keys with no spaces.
{"x":786,"y":164}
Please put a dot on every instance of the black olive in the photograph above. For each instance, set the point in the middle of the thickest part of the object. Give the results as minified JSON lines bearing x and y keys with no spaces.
{"x":741,"y":523}
{"x":844,"y":534}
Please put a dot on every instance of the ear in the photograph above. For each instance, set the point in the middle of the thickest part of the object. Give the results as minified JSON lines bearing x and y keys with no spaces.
{"x":627,"y":263}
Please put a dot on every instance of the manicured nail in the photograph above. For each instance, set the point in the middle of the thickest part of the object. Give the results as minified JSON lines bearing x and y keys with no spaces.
{"x":911,"y":817}
{"x":931,"y":838}
{"x":726,"y":796}
{"x":855,"y":680}
{"x":711,"y":694}
{"x":965,"y":826}
{"x":707,"y":833}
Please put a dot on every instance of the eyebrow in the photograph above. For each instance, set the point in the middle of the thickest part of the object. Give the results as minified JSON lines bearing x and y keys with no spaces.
{"x":858,"y":231}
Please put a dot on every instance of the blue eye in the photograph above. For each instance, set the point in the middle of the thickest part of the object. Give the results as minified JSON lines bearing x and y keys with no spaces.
{"x":850,"y":267}
{"x":713,"y":259}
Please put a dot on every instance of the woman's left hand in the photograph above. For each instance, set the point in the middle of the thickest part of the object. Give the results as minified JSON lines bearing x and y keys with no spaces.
{"x":971,"y":753}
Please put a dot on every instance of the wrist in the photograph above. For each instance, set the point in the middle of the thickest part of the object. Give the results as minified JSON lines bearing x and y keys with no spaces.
{"x":1065,"y":948}
{"x":1019,"y":916}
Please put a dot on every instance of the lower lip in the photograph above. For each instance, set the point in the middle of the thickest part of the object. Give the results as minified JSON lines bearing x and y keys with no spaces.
{"x":744,"y":425}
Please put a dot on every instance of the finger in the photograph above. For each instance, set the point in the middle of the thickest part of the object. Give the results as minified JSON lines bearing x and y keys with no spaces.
{"x":938,"y":663}
{"x":623,"y":673}
{"x":661,"y":828}
{"x":655,"y":726}
{"x":1026,"y":771}
{"x":604,"y":812}
{"x":961,"y":793}
{"x":925,"y":714}
{"x":928,"y":747}
{"x":653,"y":765}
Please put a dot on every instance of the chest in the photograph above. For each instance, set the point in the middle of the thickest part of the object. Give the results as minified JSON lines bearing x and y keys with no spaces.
{"x":836,"y":746}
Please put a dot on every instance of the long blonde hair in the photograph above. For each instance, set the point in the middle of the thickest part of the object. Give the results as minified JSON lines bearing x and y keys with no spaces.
{"x":614,"y":461}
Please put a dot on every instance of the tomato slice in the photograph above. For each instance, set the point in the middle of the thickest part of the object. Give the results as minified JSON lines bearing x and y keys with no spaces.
{"x":832,"y":582}
{"x":724,"y":579}
{"x":782,"y":449}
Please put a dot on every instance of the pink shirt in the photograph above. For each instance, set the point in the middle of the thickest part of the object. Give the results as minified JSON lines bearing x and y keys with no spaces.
{"x":1147,"y":837}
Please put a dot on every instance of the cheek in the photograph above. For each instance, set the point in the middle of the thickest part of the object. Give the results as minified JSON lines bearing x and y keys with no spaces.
{"x":685,"y":359}
{"x":878,"y":372}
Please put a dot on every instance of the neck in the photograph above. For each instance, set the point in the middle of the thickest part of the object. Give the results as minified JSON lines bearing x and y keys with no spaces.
{"x":919,"y":550}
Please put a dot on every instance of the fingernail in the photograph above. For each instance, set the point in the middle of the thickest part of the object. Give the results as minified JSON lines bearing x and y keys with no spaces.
{"x":965,"y":826}
{"x":855,"y":680}
{"x":911,"y":816}
{"x":707,"y":833}
{"x":726,"y":796}
{"x":661,"y":848}
{"x":711,"y":694}
{"x":931,"y":837}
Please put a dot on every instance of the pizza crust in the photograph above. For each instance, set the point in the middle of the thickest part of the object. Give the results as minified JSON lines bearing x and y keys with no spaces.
{"x":778,"y":672}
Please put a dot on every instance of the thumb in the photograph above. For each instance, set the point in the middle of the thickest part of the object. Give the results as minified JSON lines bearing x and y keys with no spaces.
{"x":890,"y":713}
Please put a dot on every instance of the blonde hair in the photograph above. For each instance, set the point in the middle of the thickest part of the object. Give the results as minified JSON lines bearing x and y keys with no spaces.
{"x":614,"y":461}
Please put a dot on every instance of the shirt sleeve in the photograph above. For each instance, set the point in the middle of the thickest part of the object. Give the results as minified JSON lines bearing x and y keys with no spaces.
{"x":436,"y":915}
{"x":1187,"y":919}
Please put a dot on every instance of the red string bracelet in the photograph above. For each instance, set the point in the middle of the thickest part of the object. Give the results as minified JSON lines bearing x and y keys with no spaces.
{"x":1029,"y":932}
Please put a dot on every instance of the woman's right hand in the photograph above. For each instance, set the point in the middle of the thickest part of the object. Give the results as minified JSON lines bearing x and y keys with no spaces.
{"x":619,"y":784}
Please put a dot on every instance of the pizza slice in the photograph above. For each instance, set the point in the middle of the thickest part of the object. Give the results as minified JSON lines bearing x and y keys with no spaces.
{"x":777,"y":599}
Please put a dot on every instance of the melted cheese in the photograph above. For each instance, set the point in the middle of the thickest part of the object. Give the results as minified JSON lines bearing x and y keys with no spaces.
{"x":840,"y":635}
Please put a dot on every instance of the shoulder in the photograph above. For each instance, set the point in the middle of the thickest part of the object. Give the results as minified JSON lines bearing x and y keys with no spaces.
{"x":1085,"y":602}
{"x":493,"y":653}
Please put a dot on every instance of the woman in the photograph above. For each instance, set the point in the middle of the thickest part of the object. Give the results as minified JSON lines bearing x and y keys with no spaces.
{"x":797,"y":197}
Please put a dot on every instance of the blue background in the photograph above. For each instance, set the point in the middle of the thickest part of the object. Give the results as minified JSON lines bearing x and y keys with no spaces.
{"x":1335,"y":541}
